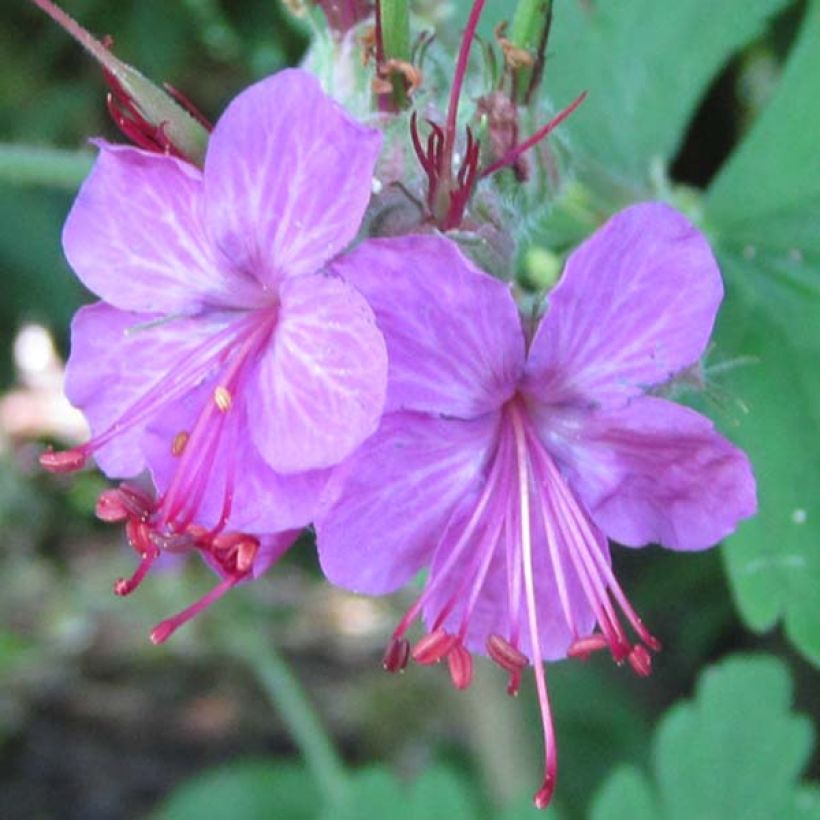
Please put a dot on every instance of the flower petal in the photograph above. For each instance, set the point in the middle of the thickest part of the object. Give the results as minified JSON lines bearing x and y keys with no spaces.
{"x":288,"y":176}
{"x":392,"y":499}
{"x":453,"y":335}
{"x":264,"y":501}
{"x":116,"y":359}
{"x":656,"y":472}
{"x":135,"y":237}
{"x":319,"y":389}
{"x":635,"y":305}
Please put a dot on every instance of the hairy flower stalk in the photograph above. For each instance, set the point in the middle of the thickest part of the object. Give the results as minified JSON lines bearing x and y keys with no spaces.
{"x":506,"y":459}
{"x":449,"y":189}
{"x":224,"y":358}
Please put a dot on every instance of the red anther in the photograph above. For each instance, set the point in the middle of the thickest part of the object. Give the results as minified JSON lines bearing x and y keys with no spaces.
{"x":640,"y":660}
{"x":396,"y":655}
{"x":171,"y":542}
{"x":137,"y":501}
{"x":460,"y":663}
{"x":506,"y":655}
{"x":110,"y":507}
{"x":620,"y":649}
{"x":433,"y":647}
{"x":62,"y":461}
{"x":139,"y":536}
{"x":543,"y":796}
{"x":584,"y":647}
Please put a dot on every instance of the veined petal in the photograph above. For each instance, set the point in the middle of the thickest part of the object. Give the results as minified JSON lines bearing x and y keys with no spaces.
{"x":635,"y":305}
{"x":656,"y":472}
{"x":454,"y":339}
{"x":288,"y":175}
{"x":319,"y":389}
{"x":393,"y":498}
{"x":263,"y":501}
{"x":135,"y":237}
{"x":116,"y":359}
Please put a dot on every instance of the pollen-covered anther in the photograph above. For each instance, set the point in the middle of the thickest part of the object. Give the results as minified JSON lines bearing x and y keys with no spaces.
{"x":433,"y":647}
{"x":62,"y":461}
{"x":181,"y":438}
{"x":111,"y":508}
{"x":223,"y":398}
{"x":396,"y":655}
{"x":460,"y":664}
{"x":640,"y":660}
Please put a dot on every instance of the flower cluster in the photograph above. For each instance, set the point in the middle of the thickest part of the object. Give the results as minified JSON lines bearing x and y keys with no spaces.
{"x":246,"y":374}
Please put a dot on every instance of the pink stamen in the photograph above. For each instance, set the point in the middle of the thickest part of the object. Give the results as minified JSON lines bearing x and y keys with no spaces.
{"x":544,"y":794}
{"x":162,"y":631}
{"x":125,"y":586}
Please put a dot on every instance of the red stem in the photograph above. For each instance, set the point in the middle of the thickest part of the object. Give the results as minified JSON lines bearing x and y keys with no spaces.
{"x":458,"y":81}
{"x":514,"y":153}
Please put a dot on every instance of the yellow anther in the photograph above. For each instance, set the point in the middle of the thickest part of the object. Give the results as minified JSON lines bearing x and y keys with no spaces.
{"x":178,"y":444}
{"x":223,"y":398}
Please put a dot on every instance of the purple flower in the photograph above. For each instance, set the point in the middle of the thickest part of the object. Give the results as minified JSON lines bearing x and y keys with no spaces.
{"x":510,"y":451}
{"x":224,"y":357}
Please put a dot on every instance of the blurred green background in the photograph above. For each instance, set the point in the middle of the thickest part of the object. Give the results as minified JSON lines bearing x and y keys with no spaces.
{"x":96,"y":723}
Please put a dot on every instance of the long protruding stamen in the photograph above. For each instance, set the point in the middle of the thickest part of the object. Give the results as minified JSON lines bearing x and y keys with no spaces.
{"x":590,"y":562}
{"x":188,"y":486}
{"x":555,"y":561}
{"x":456,"y":553}
{"x":544,"y":794}
{"x":162,"y":631}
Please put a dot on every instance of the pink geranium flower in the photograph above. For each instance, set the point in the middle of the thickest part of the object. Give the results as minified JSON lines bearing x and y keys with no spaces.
{"x":224,"y":357}
{"x":509,"y":453}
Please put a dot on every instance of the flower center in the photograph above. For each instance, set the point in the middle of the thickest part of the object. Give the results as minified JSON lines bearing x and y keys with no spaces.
{"x":173,"y":522}
{"x":527,"y":525}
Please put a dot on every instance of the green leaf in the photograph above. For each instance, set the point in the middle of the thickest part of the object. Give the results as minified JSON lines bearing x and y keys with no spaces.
{"x":776,"y":171}
{"x":248,"y":790}
{"x":626,"y":795}
{"x":438,"y":794}
{"x":646,"y":66}
{"x":773,"y":561}
{"x":764,"y":211}
{"x":736,"y":751}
